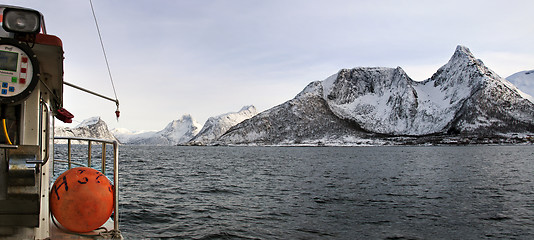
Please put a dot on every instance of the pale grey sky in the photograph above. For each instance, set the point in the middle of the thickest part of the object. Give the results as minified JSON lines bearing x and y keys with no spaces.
{"x":205,"y":58}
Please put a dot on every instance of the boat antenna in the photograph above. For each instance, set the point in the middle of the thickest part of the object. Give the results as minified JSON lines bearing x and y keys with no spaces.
{"x":117,"y":112}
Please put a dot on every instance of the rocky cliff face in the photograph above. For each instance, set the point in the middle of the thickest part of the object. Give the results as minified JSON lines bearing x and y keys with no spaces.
{"x":462,"y":98}
{"x":382,"y":100}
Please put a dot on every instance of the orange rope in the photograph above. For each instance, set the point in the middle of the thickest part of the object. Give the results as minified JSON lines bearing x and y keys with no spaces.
{"x":5,"y":131}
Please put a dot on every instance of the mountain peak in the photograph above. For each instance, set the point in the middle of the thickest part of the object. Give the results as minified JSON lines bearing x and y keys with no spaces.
{"x":462,"y":68}
{"x":185,"y":120}
{"x":186,"y":117}
{"x":89,"y":122}
{"x":463,"y":56}
{"x":248,"y":108}
{"x":463,"y":50}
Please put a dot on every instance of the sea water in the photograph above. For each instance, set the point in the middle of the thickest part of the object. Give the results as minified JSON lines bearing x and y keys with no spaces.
{"x":464,"y":192}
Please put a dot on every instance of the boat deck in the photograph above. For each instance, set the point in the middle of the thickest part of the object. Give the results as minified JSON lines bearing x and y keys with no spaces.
{"x":102,"y":233}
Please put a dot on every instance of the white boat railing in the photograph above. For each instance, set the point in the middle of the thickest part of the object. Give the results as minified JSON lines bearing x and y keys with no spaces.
{"x":115,"y":145}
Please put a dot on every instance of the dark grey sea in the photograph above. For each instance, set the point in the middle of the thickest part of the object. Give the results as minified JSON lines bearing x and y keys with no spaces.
{"x":464,"y":192}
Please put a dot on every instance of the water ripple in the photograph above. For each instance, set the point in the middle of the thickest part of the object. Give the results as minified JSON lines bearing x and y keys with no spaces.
{"x":327,"y":193}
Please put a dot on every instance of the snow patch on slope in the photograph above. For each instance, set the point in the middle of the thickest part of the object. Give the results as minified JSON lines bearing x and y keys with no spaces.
{"x":218,"y":125}
{"x":125,"y":135}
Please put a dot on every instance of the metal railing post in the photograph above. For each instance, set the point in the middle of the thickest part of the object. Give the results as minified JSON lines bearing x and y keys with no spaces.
{"x":89,"y":154}
{"x":69,"y":151}
{"x":116,"y":183}
{"x":104,"y":158}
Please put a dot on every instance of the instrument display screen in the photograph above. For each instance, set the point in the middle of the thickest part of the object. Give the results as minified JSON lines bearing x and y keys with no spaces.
{"x":9,"y":61}
{"x":18,"y":77}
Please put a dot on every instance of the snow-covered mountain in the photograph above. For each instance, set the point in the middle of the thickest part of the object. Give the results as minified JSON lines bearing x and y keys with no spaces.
{"x":176,"y":132}
{"x":524,"y":80}
{"x":463,"y":97}
{"x":301,"y":120}
{"x":218,"y":125}
{"x":90,"y":128}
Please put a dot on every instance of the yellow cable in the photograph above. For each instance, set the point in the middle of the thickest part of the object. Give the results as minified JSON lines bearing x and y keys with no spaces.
{"x":5,"y":131}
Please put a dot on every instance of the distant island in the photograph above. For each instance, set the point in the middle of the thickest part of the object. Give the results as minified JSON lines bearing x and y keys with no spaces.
{"x":464,"y":102}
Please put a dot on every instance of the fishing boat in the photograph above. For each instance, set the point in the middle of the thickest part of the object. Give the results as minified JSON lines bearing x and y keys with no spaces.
{"x":31,"y":97}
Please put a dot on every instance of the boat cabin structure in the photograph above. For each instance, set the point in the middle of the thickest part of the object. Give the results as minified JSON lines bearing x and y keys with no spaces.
{"x":31,"y":96}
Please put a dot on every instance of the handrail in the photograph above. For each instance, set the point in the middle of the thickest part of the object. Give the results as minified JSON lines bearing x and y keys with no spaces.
{"x":75,"y":163}
{"x":115,"y":166}
{"x":86,"y":139}
{"x":47,"y":129}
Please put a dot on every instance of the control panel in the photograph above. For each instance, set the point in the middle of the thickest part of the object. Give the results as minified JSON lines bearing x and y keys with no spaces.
{"x":18,"y":71}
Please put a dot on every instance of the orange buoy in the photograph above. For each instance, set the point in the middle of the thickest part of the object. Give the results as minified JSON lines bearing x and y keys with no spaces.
{"x":81,"y":199}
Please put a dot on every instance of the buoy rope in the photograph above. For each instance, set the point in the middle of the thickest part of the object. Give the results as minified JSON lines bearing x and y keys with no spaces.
{"x":3,"y":109}
{"x":105,"y":56}
{"x":111,"y":234}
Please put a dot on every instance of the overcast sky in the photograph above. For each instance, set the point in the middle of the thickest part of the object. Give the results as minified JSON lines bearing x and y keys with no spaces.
{"x":171,"y":57}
